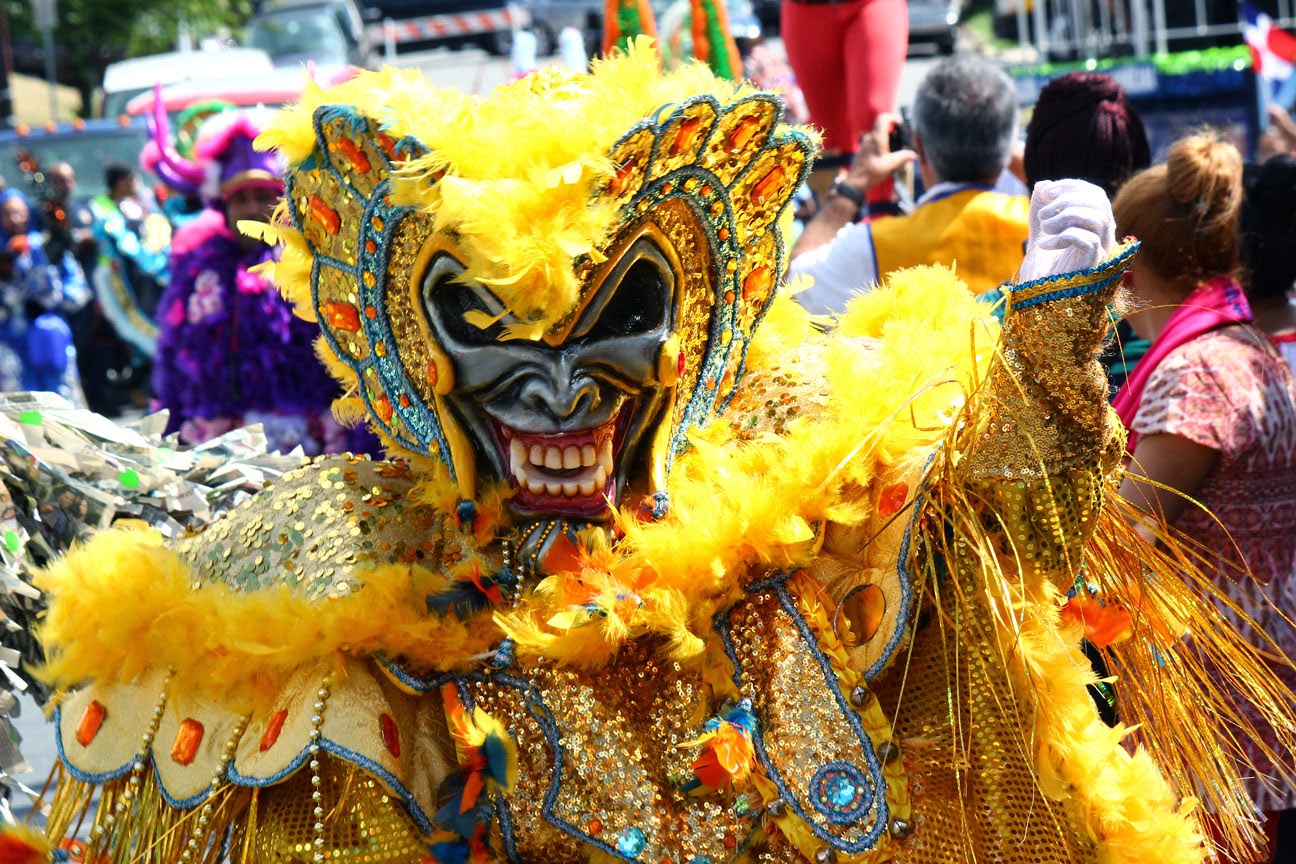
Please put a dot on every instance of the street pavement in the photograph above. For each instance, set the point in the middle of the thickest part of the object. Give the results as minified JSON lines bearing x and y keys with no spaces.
{"x":471,"y":70}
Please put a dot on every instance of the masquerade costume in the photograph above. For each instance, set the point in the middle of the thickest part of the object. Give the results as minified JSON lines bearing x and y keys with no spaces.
{"x":826,"y":620}
{"x":230,"y":350}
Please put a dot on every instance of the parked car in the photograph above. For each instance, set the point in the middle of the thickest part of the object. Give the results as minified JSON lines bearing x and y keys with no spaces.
{"x":127,"y":79}
{"x":326,"y":32}
{"x":935,"y":22}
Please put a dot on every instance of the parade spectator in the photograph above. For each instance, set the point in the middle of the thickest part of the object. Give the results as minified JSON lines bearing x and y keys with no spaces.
{"x":1211,"y":408}
{"x":36,"y":295}
{"x":964,"y":122}
{"x":230,"y":351}
{"x":847,"y":57}
{"x":1084,"y":126}
{"x":1268,"y":226}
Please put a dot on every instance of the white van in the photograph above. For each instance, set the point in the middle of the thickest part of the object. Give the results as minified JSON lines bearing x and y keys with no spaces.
{"x":127,"y":79}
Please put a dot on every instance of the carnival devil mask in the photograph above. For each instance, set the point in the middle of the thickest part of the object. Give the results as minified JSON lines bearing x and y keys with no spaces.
{"x":546,"y":288}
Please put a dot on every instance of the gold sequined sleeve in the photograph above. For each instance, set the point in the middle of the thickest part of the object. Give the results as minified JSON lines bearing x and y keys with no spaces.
{"x":1040,"y":442}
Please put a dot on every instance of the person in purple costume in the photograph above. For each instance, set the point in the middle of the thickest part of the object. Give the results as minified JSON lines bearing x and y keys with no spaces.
{"x":230,"y":351}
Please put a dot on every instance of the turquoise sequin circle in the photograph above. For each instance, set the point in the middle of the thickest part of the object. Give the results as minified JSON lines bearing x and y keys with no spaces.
{"x":841,"y":792}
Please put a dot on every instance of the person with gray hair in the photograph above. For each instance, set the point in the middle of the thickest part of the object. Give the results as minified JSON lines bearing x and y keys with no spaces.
{"x":964,"y":124}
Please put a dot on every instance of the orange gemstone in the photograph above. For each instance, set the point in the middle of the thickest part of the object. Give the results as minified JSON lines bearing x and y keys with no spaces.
{"x":705,"y":190}
{"x":687,"y":136}
{"x":273,"y":727}
{"x":324,"y":214}
{"x":188,"y":738}
{"x":742,"y":134}
{"x":723,"y":233}
{"x":342,"y":316}
{"x":769,"y":184}
{"x":91,"y":720}
{"x":390,"y":734}
{"x":595,"y":827}
{"x":892,"y":499}
{"x":371,"y":247}
{"x":730,"y":841}
{"x":404,"y":401}
{"x":354,"y":155}
{"x":384,"y":408}
{"x":758,"y":282}
{"x":371,"y":313}
{"x":729,"y":296}
{"x":432,"y":374}
{"x":668,"y":188}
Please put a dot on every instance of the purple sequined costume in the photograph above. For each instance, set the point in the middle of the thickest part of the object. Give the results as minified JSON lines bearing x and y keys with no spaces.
{"x":231,"y":352}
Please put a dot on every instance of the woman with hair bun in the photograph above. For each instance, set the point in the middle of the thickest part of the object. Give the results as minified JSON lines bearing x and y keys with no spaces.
{"x":1211,"y":408}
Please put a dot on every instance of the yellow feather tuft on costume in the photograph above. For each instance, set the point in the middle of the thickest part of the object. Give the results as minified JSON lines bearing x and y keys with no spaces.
{"x":225,"y":645}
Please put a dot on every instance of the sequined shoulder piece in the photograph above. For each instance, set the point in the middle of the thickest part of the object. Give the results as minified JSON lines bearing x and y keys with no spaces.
{"x":316,"y":527}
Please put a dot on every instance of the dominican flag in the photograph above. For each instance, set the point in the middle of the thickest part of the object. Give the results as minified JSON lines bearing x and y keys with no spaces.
{"x":1273,"y":50}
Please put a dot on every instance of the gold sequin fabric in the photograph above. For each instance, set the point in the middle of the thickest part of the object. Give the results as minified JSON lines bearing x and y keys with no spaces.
{"x":603,"y":755}
{"x":313,"y":526}
{"x":1042,"y":406}
{"x":965,"y":738}
{"x":362,"y":822}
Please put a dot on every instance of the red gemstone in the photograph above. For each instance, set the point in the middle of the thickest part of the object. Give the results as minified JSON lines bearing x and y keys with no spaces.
{"x":390,"y":734}
{"x":679,"y":366}
{"x":91,"y":720}
{"x":273,"y":728}
{"x":324,"y":214}
{"x":354,"y":155}
{"x":342,"y":316}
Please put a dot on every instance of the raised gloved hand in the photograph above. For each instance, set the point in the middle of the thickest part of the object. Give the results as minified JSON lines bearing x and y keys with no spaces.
{"x":1071,"y":228}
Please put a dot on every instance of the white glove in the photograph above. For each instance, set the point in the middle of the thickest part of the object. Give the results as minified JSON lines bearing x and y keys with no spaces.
{"x":1071,"y":228}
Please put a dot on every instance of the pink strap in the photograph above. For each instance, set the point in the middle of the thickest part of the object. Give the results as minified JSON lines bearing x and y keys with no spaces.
{"x":1215,"y":303}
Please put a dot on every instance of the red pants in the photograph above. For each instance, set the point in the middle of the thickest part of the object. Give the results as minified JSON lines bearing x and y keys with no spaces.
{"x":847,"y":58}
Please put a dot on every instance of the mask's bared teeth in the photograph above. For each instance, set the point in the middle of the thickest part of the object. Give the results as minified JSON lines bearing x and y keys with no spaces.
{"x":571,"y":458}
{"x":517,"y":455}
{"x":605,"y":457}
{"x":553,"y":459}
{"x":600,"y":477}
{"x":588,"y":456}
{"x":587,"y":488}
{"x":537,"y":455}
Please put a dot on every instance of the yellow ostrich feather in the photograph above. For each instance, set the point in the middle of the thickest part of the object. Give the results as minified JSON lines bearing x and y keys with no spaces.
{"x":235,"y":647}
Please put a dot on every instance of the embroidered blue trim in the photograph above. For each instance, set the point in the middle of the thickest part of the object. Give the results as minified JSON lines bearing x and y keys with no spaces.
{"x":906,"y":583}
{"x":836,"y":778}
{"x":415,"y":425}
{"x":873,"y":766}
{"x":84,"y":776}
{"x":177,"y":803}
{"x":1113,"y":267}
{"x":408,"y":679}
